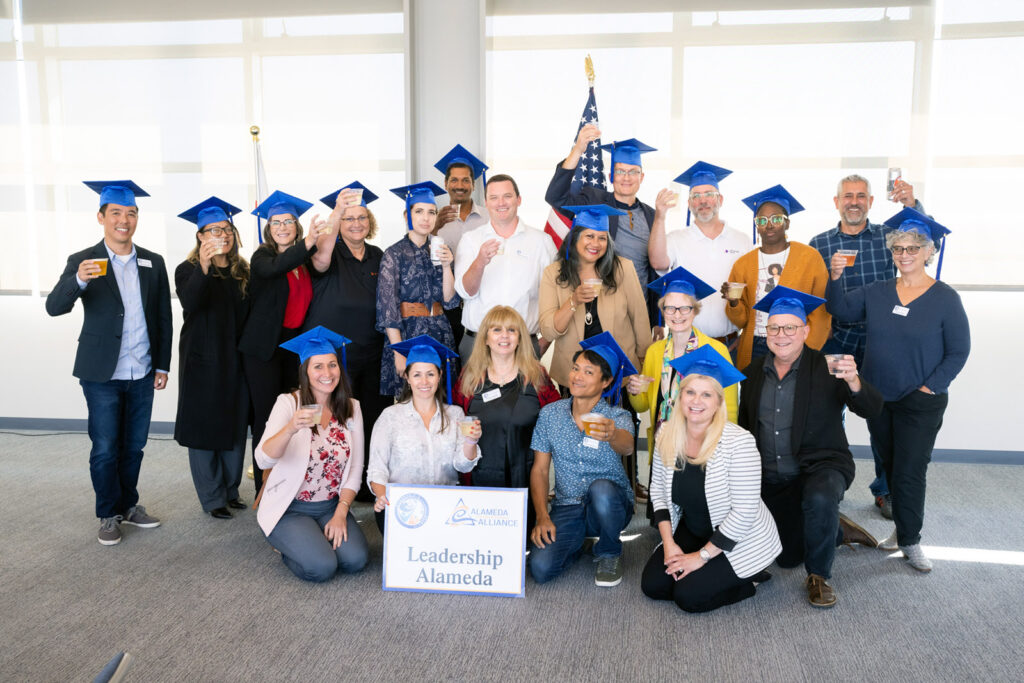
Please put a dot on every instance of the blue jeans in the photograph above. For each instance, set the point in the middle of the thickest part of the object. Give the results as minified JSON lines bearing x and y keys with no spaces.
{"x":306,"y":551}
{"x":806,"y":512}
{"x":119,"y":413}
{"x":604,"y":512}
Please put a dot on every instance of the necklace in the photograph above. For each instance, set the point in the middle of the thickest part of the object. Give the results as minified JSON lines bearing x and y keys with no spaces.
{"x":589,"y":318}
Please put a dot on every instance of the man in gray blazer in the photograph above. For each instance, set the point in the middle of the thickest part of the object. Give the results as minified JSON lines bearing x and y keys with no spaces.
{"x":124,"y":351}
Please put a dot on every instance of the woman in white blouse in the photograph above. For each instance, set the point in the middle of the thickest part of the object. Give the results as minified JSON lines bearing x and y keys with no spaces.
{"x":313,"y":447}
{"x":418,"y":440}
{"x":717,"y":535}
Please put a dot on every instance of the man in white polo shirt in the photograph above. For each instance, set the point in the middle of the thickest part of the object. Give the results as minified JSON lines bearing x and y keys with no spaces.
{"x":707,"y":249}
{"x":501,"y":264}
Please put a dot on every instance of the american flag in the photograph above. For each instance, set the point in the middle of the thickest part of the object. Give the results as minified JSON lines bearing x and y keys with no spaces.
{"x":590,"y":171}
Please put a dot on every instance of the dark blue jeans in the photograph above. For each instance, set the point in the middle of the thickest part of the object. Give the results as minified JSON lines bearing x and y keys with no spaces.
{"x":806,"y":512}
{"x":119,"y":413}
{"x":604,"y":512}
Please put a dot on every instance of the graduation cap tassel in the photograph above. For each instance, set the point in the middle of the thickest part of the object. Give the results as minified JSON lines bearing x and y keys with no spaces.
{"x":448,"y":378}
{"x":687,"y":216}
{"x":938,"y":268}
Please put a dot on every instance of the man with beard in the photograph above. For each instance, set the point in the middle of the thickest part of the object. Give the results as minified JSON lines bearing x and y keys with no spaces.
{"x":873,"y":262}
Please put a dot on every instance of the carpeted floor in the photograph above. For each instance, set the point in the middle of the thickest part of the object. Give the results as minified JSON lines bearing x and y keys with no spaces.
{"x":200,"y":599}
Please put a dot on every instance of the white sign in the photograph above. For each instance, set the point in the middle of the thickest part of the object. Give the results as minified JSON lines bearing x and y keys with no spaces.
{"x":455,"y":539}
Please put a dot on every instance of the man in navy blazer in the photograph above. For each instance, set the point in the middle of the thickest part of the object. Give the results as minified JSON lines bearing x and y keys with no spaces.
{"x":124,"y":351}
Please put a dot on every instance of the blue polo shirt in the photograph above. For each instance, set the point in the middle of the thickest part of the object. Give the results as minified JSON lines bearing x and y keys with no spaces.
{"x":578,"y":459}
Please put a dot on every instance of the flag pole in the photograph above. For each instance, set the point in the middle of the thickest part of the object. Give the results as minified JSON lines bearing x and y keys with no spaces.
{"x":260,"y":177}
{"x":588,"y":66}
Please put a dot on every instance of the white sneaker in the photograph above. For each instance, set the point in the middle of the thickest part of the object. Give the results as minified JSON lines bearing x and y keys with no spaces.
{"x":915,"y":558}
{"x":889,"y":543}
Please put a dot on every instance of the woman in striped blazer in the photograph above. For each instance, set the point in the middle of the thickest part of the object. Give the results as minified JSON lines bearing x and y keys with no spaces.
{"x":717,"y":535}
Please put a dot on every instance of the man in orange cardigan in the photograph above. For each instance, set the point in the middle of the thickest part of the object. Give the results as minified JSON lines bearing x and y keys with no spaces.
{"x":777,"y":262}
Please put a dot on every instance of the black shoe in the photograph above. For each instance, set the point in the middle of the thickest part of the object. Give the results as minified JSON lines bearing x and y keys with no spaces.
{"x":221,"y":513}
{"x":237,"y":504}
{"x":761,"y":577}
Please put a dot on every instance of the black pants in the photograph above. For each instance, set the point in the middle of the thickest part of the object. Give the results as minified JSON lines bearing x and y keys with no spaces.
{"x":364,"y":376}
{"x":806,"y":511}
{"x":712,"y":586}
{"x":905,"y":434}
{"x":267,"y":379}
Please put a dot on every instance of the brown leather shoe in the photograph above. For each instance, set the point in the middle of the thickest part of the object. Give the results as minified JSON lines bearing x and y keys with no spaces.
{"x":819,"y":592}
{"x":855,"y":533}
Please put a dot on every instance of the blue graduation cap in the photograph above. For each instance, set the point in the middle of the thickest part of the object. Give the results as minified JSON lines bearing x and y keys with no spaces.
{"x":682,"y":280}
{"x":604,"y":345}
{"x":417,"y":193}
{"x":701,"y":173}
{"x":911,"y":220}
{"x":280,"y":203}
{"x":627,"y":152}
{"x":120,"y":192}
{"x":704,"y":360}
{"x":208,"y":211}
{"x":776,"y":195}
{"x":315,"y":342}
{"x":782,"y":300}
{"x":332,"y":199}
{"x":460,"y":155}
{"x":590,"y":217}
{"x":426,"y":349}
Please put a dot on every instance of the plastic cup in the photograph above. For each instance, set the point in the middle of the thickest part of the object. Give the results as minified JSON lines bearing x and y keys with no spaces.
{"x":102,"y":263}
{"x":219,"y":245}
{"x":318,"y":411}
{"x":850,"y":255}
{"x":595,"y":283}
{"x":355,"y":197}
{"x":466,"y":425}
{"x":672,"y":200}
{"x":734,"y":290}
{"x":436,"y":243}
{"x":894,"y":176}
{"x":590,"y":421}
{"x":501,"y":247}
{"x":833,"y":362}
{"x":458,"y":209}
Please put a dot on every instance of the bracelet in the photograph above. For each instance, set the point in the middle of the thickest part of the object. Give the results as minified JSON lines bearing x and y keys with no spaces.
{"x":572,"y":306}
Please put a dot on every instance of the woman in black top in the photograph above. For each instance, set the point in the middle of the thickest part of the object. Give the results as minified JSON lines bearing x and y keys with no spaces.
{"x":345,"y":270}
{"x":213,"y":401}
{"x":280,"y":291}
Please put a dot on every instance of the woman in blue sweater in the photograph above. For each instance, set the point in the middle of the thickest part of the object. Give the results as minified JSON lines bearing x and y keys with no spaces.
{"x":917,"y":342}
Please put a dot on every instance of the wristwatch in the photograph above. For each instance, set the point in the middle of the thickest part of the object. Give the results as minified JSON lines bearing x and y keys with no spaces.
{"x":704,"y":555}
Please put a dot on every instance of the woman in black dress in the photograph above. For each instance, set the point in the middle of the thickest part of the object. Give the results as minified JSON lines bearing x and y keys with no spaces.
{"x":213,"y":401}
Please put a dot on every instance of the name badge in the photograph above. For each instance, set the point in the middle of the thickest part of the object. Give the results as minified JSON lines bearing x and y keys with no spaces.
{"x":900,"y":310}
{"x":145,"y":263}
{"x":591,"y":442}
{"x":489,"y":396}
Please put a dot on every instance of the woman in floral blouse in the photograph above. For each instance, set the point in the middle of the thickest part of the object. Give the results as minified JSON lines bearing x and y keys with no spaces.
{"x":313,"y":446}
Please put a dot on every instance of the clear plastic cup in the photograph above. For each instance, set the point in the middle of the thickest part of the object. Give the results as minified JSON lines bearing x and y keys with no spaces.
{"x":850,"y":255}
{"x":590,"y":421}
{"x":355,"y":197}
{"x":318,"y":411}
{"x":501,"y":247}
{"x":595,"y":283}
{"x":466,"y":425}
{"x":102,"y":263}
{"x":436,"y":243}
{"x":833,"y":362}
{"x":735,"y":290}
{"x":894,"y":177}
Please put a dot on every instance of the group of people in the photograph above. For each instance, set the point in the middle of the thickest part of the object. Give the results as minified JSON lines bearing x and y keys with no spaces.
{"x":420,"y":364}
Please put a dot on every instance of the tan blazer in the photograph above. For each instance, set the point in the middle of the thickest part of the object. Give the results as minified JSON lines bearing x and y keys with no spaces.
{"x":623,"y":313}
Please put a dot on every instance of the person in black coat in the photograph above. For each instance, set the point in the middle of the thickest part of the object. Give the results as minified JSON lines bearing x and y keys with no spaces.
{"x":213,"y":401}
{"x":124,"y":351}
{"x":793,"y":405}
{"x":280,"y":290}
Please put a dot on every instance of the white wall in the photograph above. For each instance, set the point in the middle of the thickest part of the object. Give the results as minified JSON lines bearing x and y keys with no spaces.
{"x":39,"y":352}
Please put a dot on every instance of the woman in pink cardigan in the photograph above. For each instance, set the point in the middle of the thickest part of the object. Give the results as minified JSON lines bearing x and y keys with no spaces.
{"x":313,"y":447}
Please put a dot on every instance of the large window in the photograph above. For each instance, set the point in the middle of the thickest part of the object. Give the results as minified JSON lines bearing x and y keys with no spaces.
{"x":800,"y":97}
{"x":169,"y":104}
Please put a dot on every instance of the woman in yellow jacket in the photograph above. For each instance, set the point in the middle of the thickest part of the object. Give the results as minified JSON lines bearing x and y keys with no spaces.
{"x":656,"y":388}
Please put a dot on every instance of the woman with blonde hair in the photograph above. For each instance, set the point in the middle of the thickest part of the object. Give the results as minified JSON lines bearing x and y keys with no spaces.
{"x":213,"y":398}
{"x":504,"y":386}
{"x":717,"y":535}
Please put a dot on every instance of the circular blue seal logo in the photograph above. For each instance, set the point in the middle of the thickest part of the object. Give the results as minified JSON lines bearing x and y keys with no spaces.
{"x":411,"y":510}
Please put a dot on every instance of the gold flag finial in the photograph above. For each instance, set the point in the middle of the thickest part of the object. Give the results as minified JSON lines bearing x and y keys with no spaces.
{"x":254,"y":131}
{"x":589,"y":66}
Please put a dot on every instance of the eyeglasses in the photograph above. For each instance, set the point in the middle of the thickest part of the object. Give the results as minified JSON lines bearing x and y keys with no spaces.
{"x":632,"y":173}
{"x":789,"y":330}
{"x":217,"y":232}
{"x":710,"y":194}
{"x":672,"y":310}
{"x":290,"y":222}
{"x":777,"y":220}
{"x":349,"y":220}
{"x":898,"y":251}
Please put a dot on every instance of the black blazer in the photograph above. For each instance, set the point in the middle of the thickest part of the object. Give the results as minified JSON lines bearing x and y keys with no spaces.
{"x":268,"y":293}
{"x":99,"y":343}
{"x":819,"y":439}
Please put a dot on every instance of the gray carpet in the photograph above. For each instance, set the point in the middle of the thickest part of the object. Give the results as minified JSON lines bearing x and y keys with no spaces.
{"x":200,"y":599}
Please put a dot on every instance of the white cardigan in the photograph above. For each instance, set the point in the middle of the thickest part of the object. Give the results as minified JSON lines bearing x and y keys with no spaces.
{"x":732,"y":485}
{"x":287,"y":473}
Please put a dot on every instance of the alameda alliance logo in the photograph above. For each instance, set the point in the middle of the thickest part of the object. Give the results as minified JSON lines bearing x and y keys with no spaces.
{"x":412,"y":511}
{"x":463,"y":515}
